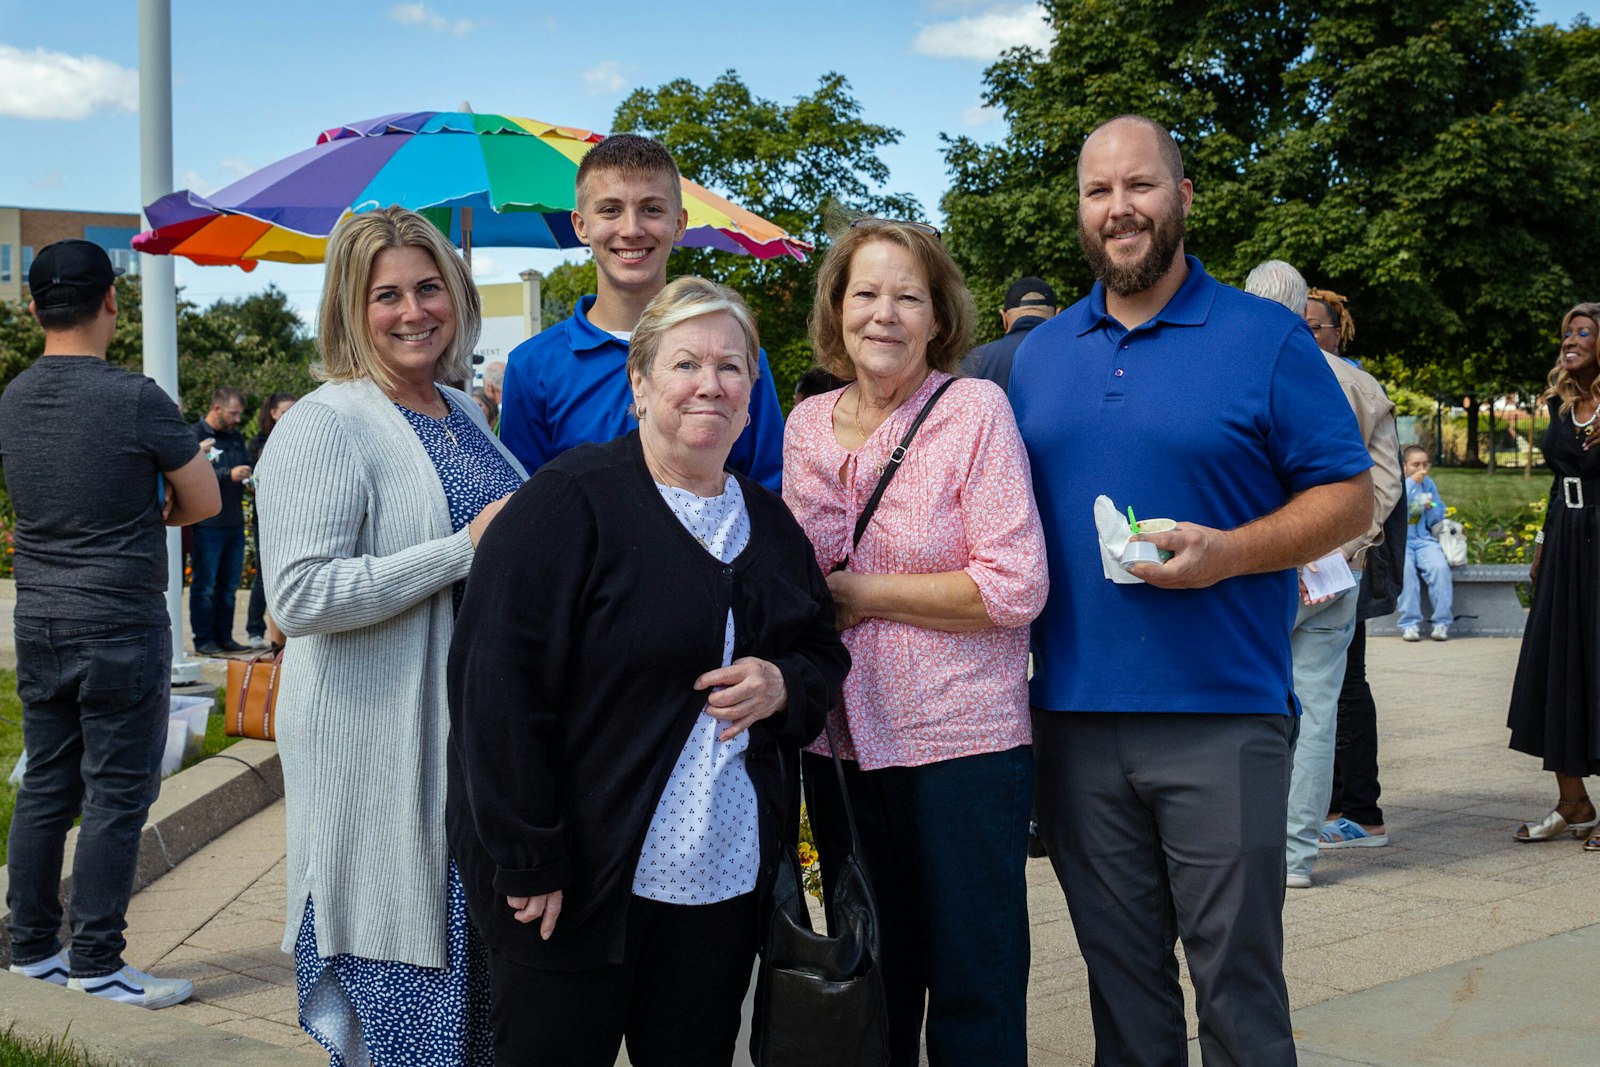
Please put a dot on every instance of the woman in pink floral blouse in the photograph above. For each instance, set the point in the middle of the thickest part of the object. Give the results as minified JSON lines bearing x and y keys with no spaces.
{"x":934,"y":605}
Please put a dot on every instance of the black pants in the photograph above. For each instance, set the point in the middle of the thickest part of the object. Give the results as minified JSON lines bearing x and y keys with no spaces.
{"x":675,"y":997}
{"x":1355,"y":757}
{"x":1168,"y":826}
{"x":945,"y":847}
{"x":94,"y":722}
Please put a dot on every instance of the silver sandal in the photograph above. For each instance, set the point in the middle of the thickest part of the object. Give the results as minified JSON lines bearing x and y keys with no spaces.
{"x":1553,"y":826}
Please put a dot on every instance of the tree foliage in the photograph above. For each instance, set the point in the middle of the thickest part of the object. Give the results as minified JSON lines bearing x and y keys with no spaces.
{"x":1431,"y":159}
{"x":256,"y":343}
{"x":784,"y":162}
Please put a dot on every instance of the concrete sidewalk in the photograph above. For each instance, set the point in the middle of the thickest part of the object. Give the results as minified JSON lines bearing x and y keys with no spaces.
{"x":1454,"y":945}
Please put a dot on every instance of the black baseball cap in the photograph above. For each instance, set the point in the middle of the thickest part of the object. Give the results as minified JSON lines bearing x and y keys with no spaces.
{"x":70,"y":272}
{"x":1015,"y":296}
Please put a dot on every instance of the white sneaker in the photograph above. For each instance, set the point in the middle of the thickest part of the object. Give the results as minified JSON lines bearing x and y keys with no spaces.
{"x":257,"y":642}
{"x":1411,"y":633}
{"x":52,"y":969}
{"x":132,"y":986}
{"x":1441,"y":633}
{"x":1298,"y":881}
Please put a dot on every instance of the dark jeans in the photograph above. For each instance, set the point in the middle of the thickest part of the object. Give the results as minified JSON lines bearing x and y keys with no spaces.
{"x":255,"y":620}
{"x":1163,"y":826}
{"x":217,"y":564}
{"x":94,"y":723}
{"x":676,"y":996}
{"x":1355,"y":755}
{"x":945,"y":846}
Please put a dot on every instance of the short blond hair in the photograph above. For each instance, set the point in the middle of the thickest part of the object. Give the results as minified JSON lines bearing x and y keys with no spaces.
{"x":953,"y":308}
{"x":343,"y":341}
{"x":683,"y":299}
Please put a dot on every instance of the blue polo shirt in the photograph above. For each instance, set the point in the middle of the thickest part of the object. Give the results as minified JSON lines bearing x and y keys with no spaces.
{"x":568,"y":385}
{"x":1215,"y":411}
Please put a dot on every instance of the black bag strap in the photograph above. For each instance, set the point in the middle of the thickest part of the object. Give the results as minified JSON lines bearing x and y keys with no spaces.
{"x":897,"y":457}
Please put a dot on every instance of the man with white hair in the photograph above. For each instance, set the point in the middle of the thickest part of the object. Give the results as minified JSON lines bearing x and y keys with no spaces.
{"x":1323,"y":628}
{"x":494,"y":376}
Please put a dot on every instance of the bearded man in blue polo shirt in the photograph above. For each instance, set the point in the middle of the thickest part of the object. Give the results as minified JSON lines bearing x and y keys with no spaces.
{"x":1164,"y":712}
{"x":568,"y":385}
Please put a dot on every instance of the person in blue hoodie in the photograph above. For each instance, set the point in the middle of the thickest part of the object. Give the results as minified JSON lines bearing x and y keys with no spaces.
{"x":1424,"y":558}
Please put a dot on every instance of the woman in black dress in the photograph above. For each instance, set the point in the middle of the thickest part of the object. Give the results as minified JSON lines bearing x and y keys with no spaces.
{"x":1555,"y":701}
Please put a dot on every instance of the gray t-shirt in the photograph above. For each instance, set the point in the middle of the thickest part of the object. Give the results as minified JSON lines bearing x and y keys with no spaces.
{"x":83,"y":445}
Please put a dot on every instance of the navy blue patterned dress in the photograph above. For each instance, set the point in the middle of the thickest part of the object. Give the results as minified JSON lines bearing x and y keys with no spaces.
{"x":385,"y":1012}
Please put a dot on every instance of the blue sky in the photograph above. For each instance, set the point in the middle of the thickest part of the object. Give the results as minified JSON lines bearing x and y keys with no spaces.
{"x":255,"y":82}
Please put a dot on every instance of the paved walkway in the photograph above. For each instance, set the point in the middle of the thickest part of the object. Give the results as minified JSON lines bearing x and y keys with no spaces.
{"x":1434,"y":912}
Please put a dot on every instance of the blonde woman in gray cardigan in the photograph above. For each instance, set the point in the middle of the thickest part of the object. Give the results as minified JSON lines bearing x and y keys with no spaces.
{"x":373,"y":498}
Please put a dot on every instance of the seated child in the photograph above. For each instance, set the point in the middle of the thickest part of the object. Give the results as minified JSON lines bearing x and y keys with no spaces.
{"x":1424,"y":557}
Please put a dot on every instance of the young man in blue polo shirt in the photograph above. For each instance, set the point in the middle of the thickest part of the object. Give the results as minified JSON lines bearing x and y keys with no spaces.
{"x":1164,"y":713}
{"x":567,"y":385}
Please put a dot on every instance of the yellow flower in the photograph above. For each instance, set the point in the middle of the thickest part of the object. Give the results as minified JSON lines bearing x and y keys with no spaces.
{"x":1449,"y":509}
{"x":808,"y":854}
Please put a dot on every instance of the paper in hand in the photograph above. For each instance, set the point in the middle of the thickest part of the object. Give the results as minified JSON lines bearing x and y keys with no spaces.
{"x":1333,"y":575}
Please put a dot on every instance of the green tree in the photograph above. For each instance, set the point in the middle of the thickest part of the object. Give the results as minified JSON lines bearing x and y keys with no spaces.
{"x":1431,"y":159}
{"x":562,"y":287}
{"x":783,"y":162}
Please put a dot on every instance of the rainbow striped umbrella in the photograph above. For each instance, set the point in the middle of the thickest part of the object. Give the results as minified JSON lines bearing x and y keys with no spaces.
{"x":483,"y":179}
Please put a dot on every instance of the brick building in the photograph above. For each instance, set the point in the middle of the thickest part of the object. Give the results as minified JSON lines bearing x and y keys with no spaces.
{"x":23,"y":231}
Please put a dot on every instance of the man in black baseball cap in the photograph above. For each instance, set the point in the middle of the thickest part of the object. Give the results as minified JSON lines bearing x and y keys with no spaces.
{"x":70,"y":273}
{"x":97,"y":460}
{"x":1028,"y":302}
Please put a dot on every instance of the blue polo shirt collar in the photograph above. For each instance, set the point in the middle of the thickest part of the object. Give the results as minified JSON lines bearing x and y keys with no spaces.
{"x":585,"y":336}
{"x":1189,"y":306}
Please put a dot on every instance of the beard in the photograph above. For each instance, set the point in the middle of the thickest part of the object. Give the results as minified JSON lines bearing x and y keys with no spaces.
{"x":1166,"y":237}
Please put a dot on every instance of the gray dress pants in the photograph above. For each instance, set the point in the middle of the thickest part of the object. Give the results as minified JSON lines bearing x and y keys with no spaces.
{"x":1163,"y":826}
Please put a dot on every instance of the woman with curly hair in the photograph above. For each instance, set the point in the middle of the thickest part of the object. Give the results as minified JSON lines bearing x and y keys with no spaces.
{"x":1555,"y":701}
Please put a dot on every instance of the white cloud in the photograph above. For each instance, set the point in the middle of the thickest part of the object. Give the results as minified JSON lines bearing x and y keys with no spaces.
{"x":235,"y":168}
{"x":605,"y":77}
{"x":47,"y":181}
{"x":979,"y":115}
{"x":54,"y":85}
{"x":195,"y":182}
{"x":485,"y":265}
{"x":422,"y":15}
{"x":985,"y":35}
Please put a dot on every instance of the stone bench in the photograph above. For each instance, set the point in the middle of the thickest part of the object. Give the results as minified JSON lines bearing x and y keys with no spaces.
{"x":1485,"y":603}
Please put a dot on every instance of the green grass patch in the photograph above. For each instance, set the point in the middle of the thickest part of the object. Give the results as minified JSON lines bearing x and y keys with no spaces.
{"x":57,"y":1052}
{"x":1503,"y":493}
{"x":11,"y":748}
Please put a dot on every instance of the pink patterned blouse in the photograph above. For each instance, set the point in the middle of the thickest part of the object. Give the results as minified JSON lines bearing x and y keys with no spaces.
{"x":963,"y":500}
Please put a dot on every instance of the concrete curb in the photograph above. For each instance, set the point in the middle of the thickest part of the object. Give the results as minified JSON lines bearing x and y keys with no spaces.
{"x":119,"y":1035}
{"x":196,"y":807}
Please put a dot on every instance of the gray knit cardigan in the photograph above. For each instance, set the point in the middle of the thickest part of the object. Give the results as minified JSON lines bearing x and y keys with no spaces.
{"x":359,"y":561}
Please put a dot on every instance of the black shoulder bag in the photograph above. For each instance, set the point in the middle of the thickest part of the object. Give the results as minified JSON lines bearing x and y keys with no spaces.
{"x":897,"y":457}
{"x":819,"y":998}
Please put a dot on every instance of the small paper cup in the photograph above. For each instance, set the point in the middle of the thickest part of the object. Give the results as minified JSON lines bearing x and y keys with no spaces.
{"x":1139,"y":552}
{"x":1150,"y":526}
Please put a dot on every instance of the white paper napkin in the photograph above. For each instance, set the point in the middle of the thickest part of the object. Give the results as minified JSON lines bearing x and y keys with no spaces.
{"x":1112,"y":528}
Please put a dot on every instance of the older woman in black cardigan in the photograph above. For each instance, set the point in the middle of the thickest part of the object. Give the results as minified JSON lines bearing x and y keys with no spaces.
{"x":645,"y":643}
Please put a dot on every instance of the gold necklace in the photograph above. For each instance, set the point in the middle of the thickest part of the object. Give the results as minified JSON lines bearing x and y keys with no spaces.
{"x":855,"y":416}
